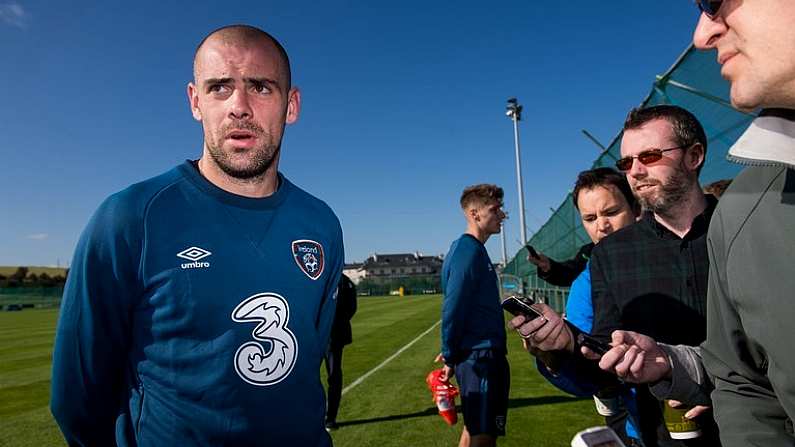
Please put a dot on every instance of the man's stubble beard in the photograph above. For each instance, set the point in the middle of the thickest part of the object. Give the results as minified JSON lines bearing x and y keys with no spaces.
{"x":261,"y":157}
{"x":670,"y":194}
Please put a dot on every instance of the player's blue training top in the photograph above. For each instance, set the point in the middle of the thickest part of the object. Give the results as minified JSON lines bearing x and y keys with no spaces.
{"x":196,"y":317}
{"x":471,"y":313}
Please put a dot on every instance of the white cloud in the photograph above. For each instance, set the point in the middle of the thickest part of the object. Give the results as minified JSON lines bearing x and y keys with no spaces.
{"x":38,"y":236}
{"x":14,"y":14}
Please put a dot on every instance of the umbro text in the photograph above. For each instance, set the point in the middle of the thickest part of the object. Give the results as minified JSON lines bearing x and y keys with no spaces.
{"x":195,"y":265}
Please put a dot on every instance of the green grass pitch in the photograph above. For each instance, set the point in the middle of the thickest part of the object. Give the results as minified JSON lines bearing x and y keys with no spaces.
{"x":391,"y":407}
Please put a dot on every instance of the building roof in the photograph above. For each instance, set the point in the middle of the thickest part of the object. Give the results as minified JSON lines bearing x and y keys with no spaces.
{"x":397,"y":260}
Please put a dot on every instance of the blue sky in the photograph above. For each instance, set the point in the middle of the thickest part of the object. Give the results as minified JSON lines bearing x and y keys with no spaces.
{"x":403,"y":106}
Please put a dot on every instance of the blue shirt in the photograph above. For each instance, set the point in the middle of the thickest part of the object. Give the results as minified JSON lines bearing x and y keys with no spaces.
{"x":579,"y":307}
{"x":471,"y":314}
{"x":193,"y":316}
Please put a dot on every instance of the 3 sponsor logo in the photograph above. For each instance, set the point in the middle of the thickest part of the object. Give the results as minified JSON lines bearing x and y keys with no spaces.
{"x":271,"y":356}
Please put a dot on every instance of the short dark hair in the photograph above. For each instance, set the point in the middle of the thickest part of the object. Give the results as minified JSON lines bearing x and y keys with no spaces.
{"x":481,"y":194}
{"x":248,"y":33}
{"x":604,"y":177}
{"x":686,"y":127}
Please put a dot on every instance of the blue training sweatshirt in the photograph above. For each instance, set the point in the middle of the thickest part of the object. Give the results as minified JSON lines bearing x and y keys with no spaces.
{"x":193,"y":316}
{"x":471,"y":314}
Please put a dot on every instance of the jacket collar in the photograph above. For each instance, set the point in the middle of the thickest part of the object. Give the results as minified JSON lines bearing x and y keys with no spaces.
{"x":769,"y":140}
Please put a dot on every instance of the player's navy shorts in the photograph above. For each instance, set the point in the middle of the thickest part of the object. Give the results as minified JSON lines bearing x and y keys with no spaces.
{"x":484,"y":381}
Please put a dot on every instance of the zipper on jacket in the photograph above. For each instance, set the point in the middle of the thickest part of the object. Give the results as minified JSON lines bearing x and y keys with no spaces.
{"x":754,"y":162}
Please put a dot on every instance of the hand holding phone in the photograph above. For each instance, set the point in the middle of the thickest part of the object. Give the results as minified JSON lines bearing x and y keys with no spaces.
{"x":516,"y":306}
{"x":537,"y":259}
{"x":532,"y":251}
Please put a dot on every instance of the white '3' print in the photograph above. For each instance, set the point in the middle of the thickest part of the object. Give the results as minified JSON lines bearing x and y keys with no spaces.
{"x":252,"y":363}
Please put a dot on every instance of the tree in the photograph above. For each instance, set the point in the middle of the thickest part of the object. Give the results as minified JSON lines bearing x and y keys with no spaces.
{"x":20,"y":274}
{"x":45,"y":280}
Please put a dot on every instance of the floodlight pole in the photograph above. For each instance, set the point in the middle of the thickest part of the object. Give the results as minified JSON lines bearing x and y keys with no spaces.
{"x":514,"y":111}
{"x":504,"y":252}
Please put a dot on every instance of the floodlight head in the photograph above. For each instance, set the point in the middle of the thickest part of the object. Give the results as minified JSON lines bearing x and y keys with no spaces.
{"x":513,"y":109}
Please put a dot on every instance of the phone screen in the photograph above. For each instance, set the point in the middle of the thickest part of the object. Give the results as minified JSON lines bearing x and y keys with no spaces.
{"x":610,"y":443}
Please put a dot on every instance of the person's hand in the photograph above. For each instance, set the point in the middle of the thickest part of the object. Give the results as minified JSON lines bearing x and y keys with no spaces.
{"x":635,"y":358}
{"x":542,"y":262}
{"x":447,"y":371}
{"x":694,"y":412}
{"x":548,"y":332}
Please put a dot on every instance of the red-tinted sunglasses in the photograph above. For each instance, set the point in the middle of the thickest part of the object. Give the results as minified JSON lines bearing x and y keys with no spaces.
{"x":710,"y":8}
{"x":646,"y":157}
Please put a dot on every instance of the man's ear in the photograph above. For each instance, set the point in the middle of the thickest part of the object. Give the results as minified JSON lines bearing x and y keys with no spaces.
{"x":193,"y":100}
{"x":293,"y":105}
{"x":694,"y":157}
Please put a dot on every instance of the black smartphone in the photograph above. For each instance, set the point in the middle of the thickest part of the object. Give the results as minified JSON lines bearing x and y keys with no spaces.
{"x":532,"y":251}
{"x":517,"y":306}
{"x":593,"y":344}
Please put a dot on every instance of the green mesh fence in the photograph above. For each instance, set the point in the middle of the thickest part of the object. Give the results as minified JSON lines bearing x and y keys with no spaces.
{"x":693,"y":82}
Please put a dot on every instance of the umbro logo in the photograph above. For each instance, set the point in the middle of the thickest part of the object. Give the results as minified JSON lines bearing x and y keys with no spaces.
{"x":194,"y":254}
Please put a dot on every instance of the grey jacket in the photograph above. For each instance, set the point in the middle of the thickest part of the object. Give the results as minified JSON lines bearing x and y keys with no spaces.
{"x":749,"y":353}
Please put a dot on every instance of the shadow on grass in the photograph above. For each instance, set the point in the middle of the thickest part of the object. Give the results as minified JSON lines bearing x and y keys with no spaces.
{"x":426,"y":412}
{"x":430,"y":411}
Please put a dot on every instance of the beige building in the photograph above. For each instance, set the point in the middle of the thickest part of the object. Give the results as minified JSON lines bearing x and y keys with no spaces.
{"x":387,"y":267}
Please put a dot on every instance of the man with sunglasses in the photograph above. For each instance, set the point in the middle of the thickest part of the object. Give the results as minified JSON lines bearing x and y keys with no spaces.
{"x":747,"y":354}
{"x":651,"y":277}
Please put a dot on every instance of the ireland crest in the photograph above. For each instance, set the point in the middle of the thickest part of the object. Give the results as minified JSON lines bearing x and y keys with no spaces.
{"x":309,"y":257}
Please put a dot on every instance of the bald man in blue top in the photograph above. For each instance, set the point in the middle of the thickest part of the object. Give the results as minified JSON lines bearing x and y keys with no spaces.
{"x":199,"y":303}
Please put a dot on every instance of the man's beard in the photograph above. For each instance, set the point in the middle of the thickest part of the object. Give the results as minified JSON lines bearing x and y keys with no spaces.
{"x":669,"y":194}
{"x":260,"y":159}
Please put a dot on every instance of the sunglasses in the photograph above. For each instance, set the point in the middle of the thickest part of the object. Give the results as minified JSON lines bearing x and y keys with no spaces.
{"x":709,"y":7}
{"x":646,"y":157}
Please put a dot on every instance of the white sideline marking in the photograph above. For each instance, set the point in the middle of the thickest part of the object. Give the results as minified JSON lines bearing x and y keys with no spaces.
{"x":392,"y":357}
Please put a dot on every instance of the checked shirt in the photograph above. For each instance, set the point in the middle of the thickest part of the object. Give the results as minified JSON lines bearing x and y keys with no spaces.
{"x":647,"y":279}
